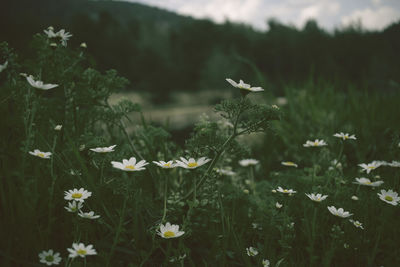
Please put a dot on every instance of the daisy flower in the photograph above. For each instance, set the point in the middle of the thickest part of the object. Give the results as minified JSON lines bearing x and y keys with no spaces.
{"x":285,"y":191}
{"x":83,"y":45}
{"x":370,"y":166}
{"x":88,"y":215}
{"x":4,"y":66}
{"x":78,"y":195}
{"x":74,"y":206}
{"x":39,"y":84}
{"x":367,"y":182}
{"x":289,"y":163}
{"x":49,"y":257}
{"x":226,"y":171}
{"x":265,"y":263}
{"x":64,"y":36}
{"x":81,"y":250}
{"x":169,"y":231}
{"x":192,"y":163}
{"x":244,"y":86}
{"x":356,"y":224}
{"x":315,"y":143}
{"x":103,"y":149}
{"x":278,"y":205}
{"x":251,"y":251}
{"x":390,"y":197}
{"x":345,"y":136}
{"x":40,"y":154}
{"x":316,"y":197}
{"x":58,"y":127}
{"x":248,"y":162}
{"x":394,"y":164}
{"x":354,"y":198}
{"x":130,"y":165}
{"x":165,"y":165}
{"x":339,"y":212}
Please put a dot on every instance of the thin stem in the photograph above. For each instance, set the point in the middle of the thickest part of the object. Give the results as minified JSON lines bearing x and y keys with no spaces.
{"x":54,"y":178}
{"x":165,"y":199}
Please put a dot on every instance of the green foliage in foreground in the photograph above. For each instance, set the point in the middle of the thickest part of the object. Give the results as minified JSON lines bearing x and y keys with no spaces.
{"x":222,"y":213}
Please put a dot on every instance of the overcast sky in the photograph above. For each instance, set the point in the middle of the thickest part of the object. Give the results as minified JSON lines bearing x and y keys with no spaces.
{"x":373,"y":14}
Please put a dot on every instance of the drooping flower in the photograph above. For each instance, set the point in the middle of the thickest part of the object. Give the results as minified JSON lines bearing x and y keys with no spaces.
{"x":248,"y":162}
{"x":88,"y":215}
{"x":285,"y":191}
{"x":339,"y":212}
{"x":289,"y":163}
{"x":265,"y":263}
{"x":58,"y":127}
{"x":4,"y":66}
{"x":316,"y":197}
{"x":356,"y":224}
{"x":80,"y":250}
{"x":83,"y":45}
{"x":49,"y":257}
{"x":367,"y":182}
{"x":345,"y":136}
{"x":278,"y":205}
{"x":251,"y":251}
{"x":226,"y":171}
{"x":192,"y":163}
{"x":395,"y":164}
{"x":39,"y":84}
{"x":169,"y":231}
{"x":354,"y":198}
{"x":77,"y":195}
{"x":389,"y":196}
{"x":40,"y":154}
{"x":244,"y":86}
{"x":130,"y":165}
{"x":103,"y":149}
{"x":370,"y":166}
{"x":74,"y":206}
{"x":315,"y":143}
{"x":165,"y":165}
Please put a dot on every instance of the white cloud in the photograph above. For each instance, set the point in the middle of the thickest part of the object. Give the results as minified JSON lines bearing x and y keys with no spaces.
{"x":374,"y":19}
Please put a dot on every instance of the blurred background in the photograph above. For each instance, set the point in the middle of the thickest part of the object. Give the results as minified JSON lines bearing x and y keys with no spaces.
{"x":177,"y":53}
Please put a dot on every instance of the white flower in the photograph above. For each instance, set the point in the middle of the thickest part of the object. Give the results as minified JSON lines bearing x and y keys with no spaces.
{"x":165,"y":165}
{"x":354,"y":198}
{"x":289,"y":163}
{"x":83,"y":45}
{"x":370,"y":166}
{"x":192,"y":163}
{"x":390,"y":197}
{"x":49,"y":257}
{"x":226,"y":171}
{"x":103,"y":149}
{"x":39,"y":84}
{"x":251,"y":251}
{"x":356,"y":223}
{"x":4,"y":66}
{"x":278,"y":205}
{"x":88,"y":215}
{"x":58,"y":127}
{"x":64,"y":36}
{"x":345,"y":136}
{"x":285,"y":191}
{"x":339,"y":212}
{"x":316,"y":197}
{"x":394,"y":164}
{"x":248,"y":162}
{"x":169,"y":231}
{"x":130,"y":165}
{"x":367,"y":182}
{"x":81,"y":250}
{"x":78,"y":195}
{"x":74,"y":206}
{"x":40,"y":154}
{"x":315,"y":143}
{"x":50,"y":32}
{"x":244,"y":86}
{"x":265,"y":263}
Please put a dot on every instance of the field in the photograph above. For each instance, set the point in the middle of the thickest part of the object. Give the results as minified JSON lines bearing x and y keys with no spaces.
{"x":102,"y":177}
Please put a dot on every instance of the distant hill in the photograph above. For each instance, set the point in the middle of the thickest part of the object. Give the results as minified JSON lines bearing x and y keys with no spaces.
{"x":160,"y":51}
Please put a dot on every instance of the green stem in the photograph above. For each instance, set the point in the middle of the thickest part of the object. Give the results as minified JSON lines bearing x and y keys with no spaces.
{"x":54,"y":178}
{"x":165,"y":199}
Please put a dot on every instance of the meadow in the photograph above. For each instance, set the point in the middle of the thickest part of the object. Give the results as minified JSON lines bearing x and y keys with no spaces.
{"x":318,"y":187}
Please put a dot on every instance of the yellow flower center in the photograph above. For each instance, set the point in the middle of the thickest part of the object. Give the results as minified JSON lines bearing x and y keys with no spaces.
{"x":130,"y":167}
{"x":316,"y":143}
{"x":192,"y":164}
{"x":285,"y":190}
{"x":368,"y":182}
{"x":318,"y":199}
{"x":76,"y":195}
{"x":167,"y":165}
{"x":371,"y":167}
{"x":388,"y":198}
{"x":81,"y":252}
{"x":41,"y":155}
{"x":49,"y":258}
{"x":169,"y":234}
